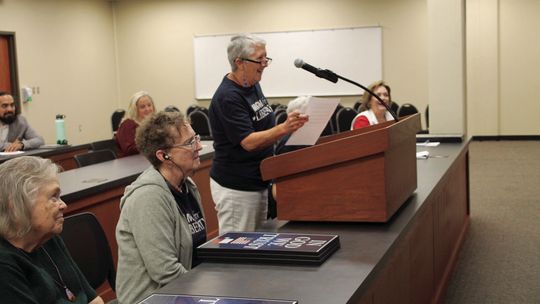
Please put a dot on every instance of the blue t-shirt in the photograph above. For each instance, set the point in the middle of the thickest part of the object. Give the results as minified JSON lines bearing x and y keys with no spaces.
{"x":235,"y":112}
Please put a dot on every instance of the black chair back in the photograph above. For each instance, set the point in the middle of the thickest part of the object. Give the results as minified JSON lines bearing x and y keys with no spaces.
{"x":394,"y":106}
{"x":171,"y":108}
{"x":86,"y":242}
{"x":426,"y":115}
{"x":116,"y":118}
{"x":279,"y":108}
{"x":357,"y":106}
{"x":107,"y":144}
{"x":344,"y":118}
{"x":280,"y":117}
{"x":94,"y":157}
{"x":191,"y":109}
{"x":333,"y":119}
{"x":406,"y":109}
{"x":328,"y":129}
{"x":204,"y":109}
{"x":201,"y":124}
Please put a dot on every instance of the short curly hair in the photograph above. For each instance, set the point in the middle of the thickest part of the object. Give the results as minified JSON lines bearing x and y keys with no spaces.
{"x":156,"y":132}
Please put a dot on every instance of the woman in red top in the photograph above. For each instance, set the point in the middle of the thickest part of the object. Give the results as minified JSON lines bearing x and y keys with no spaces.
{"x":374,"y":111}
{"x":140,"y":106}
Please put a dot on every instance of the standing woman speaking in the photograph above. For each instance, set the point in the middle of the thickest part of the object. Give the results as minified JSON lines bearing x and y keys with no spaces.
{"x":244,"y":133}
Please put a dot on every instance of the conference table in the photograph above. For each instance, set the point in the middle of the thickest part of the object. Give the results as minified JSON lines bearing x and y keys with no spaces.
{"x":409,"y":259}
{"x":60,"y":154}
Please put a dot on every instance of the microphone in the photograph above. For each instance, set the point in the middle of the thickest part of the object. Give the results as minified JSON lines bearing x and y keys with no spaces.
{"x":326,"y":74}
{"x":333,"y":77}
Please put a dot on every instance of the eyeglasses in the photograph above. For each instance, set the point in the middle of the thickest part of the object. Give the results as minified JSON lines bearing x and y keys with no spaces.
{"x":191,"y":144}
{"x":264,"y":61}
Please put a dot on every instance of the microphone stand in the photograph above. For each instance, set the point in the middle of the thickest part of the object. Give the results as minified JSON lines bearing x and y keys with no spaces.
{"x":369,"y":91}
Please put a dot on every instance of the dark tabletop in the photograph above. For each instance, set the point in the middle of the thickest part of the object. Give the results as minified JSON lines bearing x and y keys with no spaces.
{"x":82,"y":182}
{"x":344,"y":275}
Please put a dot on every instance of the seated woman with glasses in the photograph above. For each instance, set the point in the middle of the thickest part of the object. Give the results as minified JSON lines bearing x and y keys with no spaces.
{"x":35,"y":266}
{"x":375,"y":112}
{"x":161,"y":219}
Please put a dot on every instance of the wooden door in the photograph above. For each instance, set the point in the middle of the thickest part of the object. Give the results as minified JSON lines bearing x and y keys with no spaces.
{"x":5,"y":66}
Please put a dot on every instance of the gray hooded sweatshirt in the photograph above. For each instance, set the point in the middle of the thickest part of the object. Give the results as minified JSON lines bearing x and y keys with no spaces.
{"x":154,"y":239}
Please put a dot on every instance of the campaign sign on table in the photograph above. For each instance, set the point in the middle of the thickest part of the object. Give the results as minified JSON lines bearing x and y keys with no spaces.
{"x":269,"y":247}
{"x":186,"y":299}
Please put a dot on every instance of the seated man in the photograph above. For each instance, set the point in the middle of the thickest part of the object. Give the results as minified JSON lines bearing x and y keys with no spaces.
{"x":15,"y":132}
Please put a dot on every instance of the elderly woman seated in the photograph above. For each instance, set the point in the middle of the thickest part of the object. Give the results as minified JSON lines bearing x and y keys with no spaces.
{"x":35,"y":266}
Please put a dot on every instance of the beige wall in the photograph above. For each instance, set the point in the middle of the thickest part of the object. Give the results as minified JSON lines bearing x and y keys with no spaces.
{"x":156,"y":51}
{"x":502,"y":67}
{"x":66,"y":49}
{"x":88,"y":56}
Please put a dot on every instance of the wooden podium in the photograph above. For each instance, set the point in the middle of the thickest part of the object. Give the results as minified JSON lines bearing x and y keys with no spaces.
{"x":363,"y":175}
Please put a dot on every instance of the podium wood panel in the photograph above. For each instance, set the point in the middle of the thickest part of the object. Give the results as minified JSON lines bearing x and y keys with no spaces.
{"x":360,"y":175}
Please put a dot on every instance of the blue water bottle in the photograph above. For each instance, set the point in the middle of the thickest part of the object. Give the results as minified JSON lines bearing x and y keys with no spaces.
{"x":60,"y":130}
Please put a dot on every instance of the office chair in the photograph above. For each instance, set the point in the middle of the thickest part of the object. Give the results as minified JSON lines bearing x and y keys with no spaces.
{"x":86,"y":242}
{"x":116,"y":118}
{"x":204,"y":109}
{"x":406,"y":109}
{"x":94,"y":157}
{"x":107,"y":144}
{"x":191,"y":109}
{"x":201,"y":124}
{"x":344,"y":119}
{"x":357,"y":106}
{"x":333,"y":118}
{"x":327,"y":129}
{"x":171,"y":108}
{"x":280,"y":117}
{"x":394,"y":106}
{"x":279,"y":108}
{"x":427,"y":117}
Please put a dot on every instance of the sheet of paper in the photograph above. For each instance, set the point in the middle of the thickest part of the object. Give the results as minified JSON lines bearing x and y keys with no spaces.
{"x":11,"y":153}
{"x":319,"y":111}
{"x":428,"y":144}
{"x":422,"y":155}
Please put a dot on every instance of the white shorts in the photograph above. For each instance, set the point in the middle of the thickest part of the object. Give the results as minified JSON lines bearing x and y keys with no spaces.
{"x":239,"y":210}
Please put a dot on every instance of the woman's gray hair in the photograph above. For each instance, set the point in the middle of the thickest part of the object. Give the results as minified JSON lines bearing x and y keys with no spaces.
{"x":21,"y":179}
{"x":157,"y":132}
{"x":132,"y":112}
{"x":242,"y":46}
{"x":298,"y":104}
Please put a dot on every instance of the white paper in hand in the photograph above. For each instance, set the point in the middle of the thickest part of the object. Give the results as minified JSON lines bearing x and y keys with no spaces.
{"x":319,"y":111}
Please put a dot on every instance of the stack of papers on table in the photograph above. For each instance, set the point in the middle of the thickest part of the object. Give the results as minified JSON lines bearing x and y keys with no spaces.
{"x":269,"y":247}
{"x":186,"y":299}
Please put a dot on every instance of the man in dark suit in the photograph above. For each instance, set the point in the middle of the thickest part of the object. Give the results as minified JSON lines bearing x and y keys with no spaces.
{"x":15,"y":132}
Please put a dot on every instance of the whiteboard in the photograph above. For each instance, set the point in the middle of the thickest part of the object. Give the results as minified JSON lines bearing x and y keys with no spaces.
{"x":354,"y":53}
